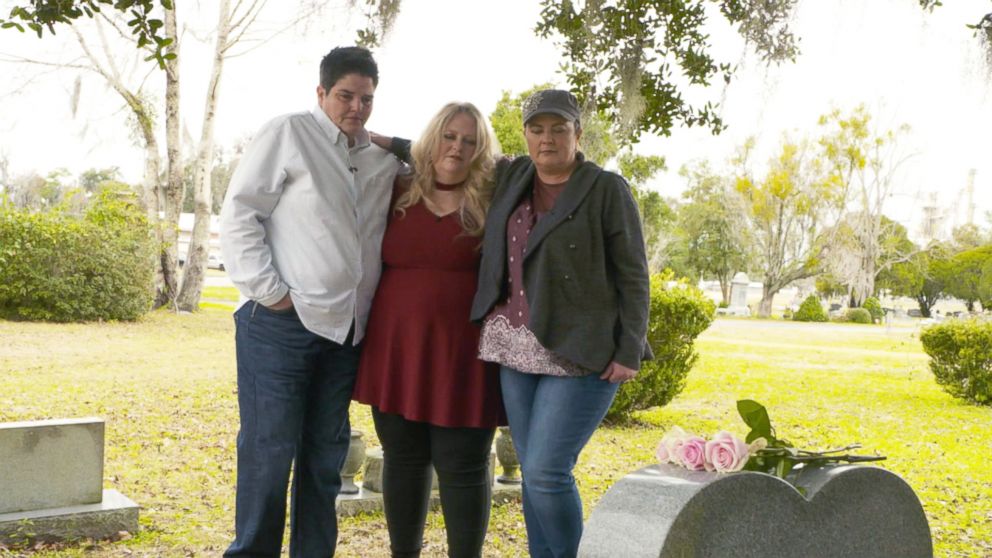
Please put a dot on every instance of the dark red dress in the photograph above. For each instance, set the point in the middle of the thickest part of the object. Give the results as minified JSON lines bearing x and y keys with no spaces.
{"x":420,"y":351}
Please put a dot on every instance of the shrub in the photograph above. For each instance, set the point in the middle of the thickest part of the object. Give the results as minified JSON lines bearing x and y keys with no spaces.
{"x":961,"y":358}
{"x":874,"y":307}
{"x":60,"y":266}
{"x":810,"y":311}
{"x":858,"y":316}
{"x":679,"y":313}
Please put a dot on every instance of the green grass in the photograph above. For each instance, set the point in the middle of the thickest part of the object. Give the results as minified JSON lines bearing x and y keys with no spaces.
{"x":220,"y":293}
{"x":166,"y":386}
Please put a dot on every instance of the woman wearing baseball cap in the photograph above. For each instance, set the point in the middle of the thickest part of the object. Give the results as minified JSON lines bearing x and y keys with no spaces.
{"x":563,"y":296}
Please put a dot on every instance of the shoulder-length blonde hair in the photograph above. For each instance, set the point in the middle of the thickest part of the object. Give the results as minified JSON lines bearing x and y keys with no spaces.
{"x":478,"y":186}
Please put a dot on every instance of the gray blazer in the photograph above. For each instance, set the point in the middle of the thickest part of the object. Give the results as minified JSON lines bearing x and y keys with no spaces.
{"x":585,"y":272}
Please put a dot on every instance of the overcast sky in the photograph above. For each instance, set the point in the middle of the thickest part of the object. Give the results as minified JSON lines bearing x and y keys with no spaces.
{"x":907,"y":67}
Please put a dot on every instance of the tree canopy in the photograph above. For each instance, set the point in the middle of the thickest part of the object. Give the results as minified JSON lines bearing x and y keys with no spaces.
{"x":921,"y":278}
{"x":862,"y":162}
{"x":42,"y":15}
{"x":631,"y":59}
{"x":636,"y":59}
{"x":713,"y":236}
{"x":963,"y":273}
{"x":792,"y":211}
{"x":627,"y":58}
{"x":148,"y":27}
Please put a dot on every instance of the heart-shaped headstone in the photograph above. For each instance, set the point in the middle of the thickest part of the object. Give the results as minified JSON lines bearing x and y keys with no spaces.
{"x":848,"y":511}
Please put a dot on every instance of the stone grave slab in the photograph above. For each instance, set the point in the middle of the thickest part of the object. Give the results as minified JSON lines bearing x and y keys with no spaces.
{"x":663,"y":511}
{"x":51,"y":483}
{"x":113,"y":514}
{"x":50,"y":464}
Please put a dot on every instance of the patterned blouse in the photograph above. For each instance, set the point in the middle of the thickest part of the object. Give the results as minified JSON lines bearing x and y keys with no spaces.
{"x":505,"y":337}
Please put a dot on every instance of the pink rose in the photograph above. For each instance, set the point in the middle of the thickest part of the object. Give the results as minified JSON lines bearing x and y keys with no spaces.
{"x":691,"y":454}
{"x":669,"y":444}
{"x":726,"y":453}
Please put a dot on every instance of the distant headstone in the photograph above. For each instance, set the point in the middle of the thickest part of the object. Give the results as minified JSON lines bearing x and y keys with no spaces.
{"x":51,"y":479}
{"x":663,"y":511}
{"x":372,"y":478}
{"x":738,"y":296}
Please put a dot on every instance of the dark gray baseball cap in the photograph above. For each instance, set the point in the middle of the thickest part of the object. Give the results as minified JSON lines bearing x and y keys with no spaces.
{"x":551,"y":101}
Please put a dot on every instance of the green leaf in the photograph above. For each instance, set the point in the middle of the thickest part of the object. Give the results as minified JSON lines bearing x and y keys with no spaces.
{"x":756,"y":416}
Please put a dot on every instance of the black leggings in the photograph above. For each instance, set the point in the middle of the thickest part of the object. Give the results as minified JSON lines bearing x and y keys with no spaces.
{"x":461,"y":458}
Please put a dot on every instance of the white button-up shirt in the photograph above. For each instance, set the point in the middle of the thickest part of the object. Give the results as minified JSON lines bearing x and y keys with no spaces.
{"x":305,"y":215}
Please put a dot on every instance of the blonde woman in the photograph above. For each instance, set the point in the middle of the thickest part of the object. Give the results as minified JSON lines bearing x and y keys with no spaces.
{"x":433,"y":401}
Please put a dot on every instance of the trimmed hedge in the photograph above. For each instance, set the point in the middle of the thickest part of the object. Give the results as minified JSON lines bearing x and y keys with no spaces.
{"x":63,"y":267}
{"x":961,"y":358}
{"x":678,"y":315}
{"x":858,"y":316}
{"x":874,"y":307}
{"x":810,"y":311}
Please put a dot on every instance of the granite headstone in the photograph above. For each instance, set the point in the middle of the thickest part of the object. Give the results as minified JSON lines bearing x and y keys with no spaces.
{"x":51,"y":483}
{"x":663,"y":511}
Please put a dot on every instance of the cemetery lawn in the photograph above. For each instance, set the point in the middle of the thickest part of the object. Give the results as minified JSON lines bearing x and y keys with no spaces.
{"x":229,"y":294}
{"x":166,"y":387}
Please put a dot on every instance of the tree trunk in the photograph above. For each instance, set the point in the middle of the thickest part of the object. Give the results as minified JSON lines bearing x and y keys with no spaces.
{"x":173,"y":191}
{"x":725,"y":286}
{"x":152,"y":184}
{"x":153,"y":164}
{"x":150,"y":195}
{"x":767,"y":295}
{"x":199,"y":247}
{"x":865,"y":284}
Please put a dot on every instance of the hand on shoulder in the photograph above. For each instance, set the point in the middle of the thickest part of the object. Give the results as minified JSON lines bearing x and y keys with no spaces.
{"x":380,"y":140}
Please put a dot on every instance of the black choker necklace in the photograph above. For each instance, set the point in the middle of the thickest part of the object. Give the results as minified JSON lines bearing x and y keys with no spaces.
{"x":447,"y":187}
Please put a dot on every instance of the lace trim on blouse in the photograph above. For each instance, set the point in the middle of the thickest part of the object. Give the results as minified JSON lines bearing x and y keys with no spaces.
{"x":518,"y":348}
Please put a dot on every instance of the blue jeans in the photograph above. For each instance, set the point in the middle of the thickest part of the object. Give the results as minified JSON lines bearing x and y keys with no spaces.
{"x":551,"y":420}
{"x":294,"y":388}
